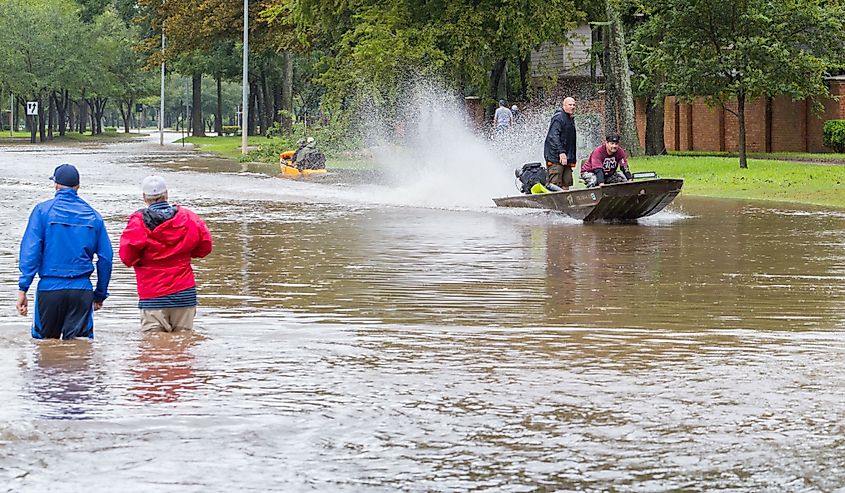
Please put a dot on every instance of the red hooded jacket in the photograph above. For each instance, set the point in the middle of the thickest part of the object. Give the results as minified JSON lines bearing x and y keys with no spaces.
{"x":162,"y":256}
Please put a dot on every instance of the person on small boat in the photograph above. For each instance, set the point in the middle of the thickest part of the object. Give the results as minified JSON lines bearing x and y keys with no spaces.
{"x":308,"y":156}
{"x":607,"y":164}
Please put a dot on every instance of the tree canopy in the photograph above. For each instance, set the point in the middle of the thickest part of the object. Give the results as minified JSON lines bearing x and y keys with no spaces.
{"x":725,"y":51}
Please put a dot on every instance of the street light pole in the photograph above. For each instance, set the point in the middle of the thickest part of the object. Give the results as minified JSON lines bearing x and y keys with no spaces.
{"x":161,"y":107}
{"x":244,"y":103}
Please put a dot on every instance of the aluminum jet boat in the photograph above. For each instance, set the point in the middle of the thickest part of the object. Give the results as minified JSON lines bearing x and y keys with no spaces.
{"x":617,"y":202}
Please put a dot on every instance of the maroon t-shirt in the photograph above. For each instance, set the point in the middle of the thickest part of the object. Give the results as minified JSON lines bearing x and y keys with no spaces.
{"x":599,"y":158}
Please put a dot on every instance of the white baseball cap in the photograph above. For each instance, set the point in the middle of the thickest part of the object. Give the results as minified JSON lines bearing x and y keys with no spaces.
{"x":153,"y":185}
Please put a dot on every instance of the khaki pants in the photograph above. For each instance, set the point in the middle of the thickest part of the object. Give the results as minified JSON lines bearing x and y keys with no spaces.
{"x":560,"y":175}
{"x":168,"y":319}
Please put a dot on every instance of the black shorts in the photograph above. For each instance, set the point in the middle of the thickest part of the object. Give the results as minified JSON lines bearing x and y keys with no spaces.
{"x":65,"y":314}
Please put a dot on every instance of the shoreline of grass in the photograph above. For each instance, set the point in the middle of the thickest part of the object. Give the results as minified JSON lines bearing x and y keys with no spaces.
{"x":229,"y":147}
{"x":764,"y":179}
{"x":22,"y":138}
{"x":800,"y":178}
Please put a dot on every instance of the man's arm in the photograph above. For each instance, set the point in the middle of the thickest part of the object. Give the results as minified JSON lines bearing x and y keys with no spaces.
{"x":21,"y":305}
{"x":204,"y":246}
{"x":554,"y":139}
{"x":132,"y":241}
{"x":32,"y":249}
{"x":105,"y":257}
{"x":623,"y":164}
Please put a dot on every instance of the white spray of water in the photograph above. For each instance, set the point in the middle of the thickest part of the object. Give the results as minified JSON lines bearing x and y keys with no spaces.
{"x":433,"y":155}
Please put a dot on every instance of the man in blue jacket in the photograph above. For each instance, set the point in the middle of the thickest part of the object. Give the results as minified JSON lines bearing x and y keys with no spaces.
{"x":59,"y":244}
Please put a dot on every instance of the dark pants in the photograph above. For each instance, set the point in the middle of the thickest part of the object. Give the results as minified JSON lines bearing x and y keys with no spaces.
{"x":65,"y":314}
{"x":560,"y":175}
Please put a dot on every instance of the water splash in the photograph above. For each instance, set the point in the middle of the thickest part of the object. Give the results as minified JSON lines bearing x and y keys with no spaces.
{"x":433,"y":155}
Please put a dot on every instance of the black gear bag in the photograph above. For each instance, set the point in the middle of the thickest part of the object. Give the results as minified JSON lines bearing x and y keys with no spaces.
{"x":530,"y":174}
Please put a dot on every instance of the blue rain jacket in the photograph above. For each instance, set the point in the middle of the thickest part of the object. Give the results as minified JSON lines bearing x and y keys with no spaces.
{"x":59,"y":244}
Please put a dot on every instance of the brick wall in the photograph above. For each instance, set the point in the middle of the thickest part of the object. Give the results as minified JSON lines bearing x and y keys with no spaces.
{"x":789,"y":125}
{"x":786,"y":126}
{"x":705,"y":127}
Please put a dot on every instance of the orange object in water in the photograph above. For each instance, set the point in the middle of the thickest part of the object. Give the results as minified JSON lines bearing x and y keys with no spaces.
{"x":288,"y":170}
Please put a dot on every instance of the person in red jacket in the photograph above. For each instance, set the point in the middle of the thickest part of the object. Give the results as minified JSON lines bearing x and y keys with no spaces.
{"x":159,"y":242}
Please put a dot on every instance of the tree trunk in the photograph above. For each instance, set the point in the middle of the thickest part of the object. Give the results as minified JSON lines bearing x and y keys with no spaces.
{"x":740,"y":113}
{"x":197,"y":125}
{"x":622,"y":79}
{"x":499,"y":80}
{"x":654,"y":122}
{"x":101,"y":108}
{"x":287,"y":90}
{"x":83,"y":113}
{"x":51,"y":118}
{"x":62,"y":110}
{"x":610,"y":108}
{"x":218,"y":116}
{"x":92,"y":114}
{"x":265,"y":102}
{"x":253,"y":107}
{"x":42,"y":122}
{"x":124,"y":114}
{"x":30,"y":123}
{"x":524,"y":67}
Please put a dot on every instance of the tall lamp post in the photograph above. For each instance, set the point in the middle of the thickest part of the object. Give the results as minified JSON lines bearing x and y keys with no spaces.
{"x":244,"y":103}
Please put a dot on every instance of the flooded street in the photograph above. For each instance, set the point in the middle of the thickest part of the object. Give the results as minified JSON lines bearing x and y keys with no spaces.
{"x":358,"y":337}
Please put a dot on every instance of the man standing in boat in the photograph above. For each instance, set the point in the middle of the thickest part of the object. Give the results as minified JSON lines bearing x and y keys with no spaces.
{"x":559,"y":148}
{"x":608,"y":163}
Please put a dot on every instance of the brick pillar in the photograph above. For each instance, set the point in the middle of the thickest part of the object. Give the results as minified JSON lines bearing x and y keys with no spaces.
{"x":677,"y":106}
{"x":690,"y":141}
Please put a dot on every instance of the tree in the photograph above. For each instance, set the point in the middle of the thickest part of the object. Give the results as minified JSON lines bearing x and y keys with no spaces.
{"x":34,"y":36}
{"x":725,"y":50}
{"x":620,"y":73}
{"x":125,"y":80}
{"x":374,"y":49}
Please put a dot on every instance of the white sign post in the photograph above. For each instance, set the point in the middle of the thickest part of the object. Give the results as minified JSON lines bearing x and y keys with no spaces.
{"x":31,"y":108}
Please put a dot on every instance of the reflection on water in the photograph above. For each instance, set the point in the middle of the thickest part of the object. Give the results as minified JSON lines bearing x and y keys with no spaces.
{"x":349,"y":343}
{"x":163,"y":370}
{"x":63,"y":379}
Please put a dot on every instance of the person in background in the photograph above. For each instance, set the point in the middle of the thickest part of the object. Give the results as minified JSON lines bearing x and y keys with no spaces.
{"x":502,"y":118}
{"x":559,"y":148}
{"x":159,"y":242}
{"x":59,"y":244}
{"x":608,"y":163}
{"x":517,"y":115}
{"x":309,"y":157}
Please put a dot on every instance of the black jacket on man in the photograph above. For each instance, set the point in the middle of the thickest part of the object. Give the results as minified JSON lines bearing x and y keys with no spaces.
{"x":561,"y":138}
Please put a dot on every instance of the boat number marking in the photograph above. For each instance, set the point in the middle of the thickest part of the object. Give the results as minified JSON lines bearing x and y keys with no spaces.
{"x":593,"y":196}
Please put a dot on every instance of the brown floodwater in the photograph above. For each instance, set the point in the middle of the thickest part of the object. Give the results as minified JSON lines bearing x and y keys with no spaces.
{"x":358,"y":337}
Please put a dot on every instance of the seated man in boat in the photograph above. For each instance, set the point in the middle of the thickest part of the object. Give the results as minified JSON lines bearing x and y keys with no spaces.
{"x":309,"y":157}
{"x":607,"y":164}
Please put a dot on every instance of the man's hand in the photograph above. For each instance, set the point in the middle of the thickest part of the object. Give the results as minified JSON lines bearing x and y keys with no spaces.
{"x":562,"y":158}
{"x":98,"y":305}
{"x":22,"y":303}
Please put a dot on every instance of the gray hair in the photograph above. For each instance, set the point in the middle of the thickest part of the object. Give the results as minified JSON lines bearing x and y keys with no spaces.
{"x":155,"y":198}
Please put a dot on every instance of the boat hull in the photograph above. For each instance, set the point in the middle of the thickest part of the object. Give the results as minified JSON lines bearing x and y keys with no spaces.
{"x":295,"y":173}
{"x":617,"y":202}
